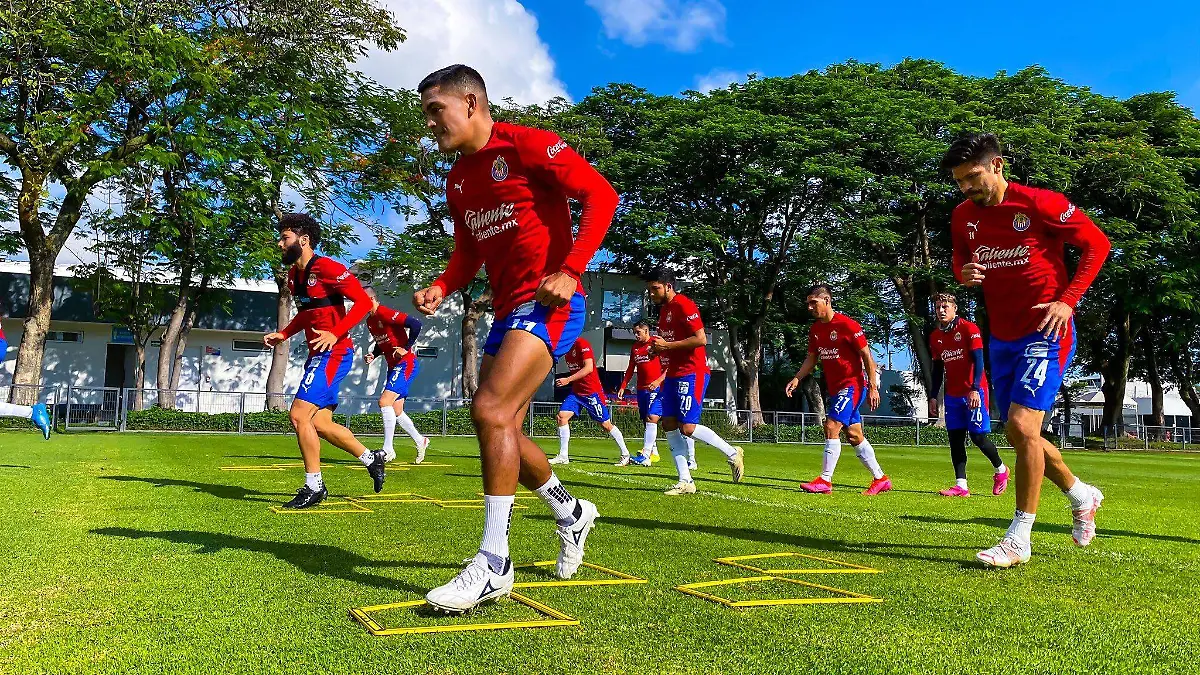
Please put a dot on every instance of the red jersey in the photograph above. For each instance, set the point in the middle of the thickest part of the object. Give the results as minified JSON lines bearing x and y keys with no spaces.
{"x":647,"y":364}
{"x":838,"y":345}
{"x":1020,"y":243}
{"x":953,"y":348}
{"x":679,"y":319}
{"x":321,"y":290}
{"x":509,"y":206}
{"x":387,"y":327}
{"x":589,"y":384}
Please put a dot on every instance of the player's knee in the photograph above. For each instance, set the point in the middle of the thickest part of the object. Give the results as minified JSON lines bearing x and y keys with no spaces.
{"x":563,"y":420}
{"x":489,"y":412}
{"x":299,"y":419}
{"x":855,"y":436}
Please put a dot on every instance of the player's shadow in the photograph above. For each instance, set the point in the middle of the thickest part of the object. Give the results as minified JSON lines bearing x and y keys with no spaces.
{"x":313,"y":559}
{"x":297,"y":459}
{"x":1003,"y":523}
{"x":792,"y":540}
{"x":217,"y":490}
{"x":14,"y":466}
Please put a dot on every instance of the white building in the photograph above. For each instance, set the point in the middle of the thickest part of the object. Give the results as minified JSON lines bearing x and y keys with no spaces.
{"x":1088,"y":407}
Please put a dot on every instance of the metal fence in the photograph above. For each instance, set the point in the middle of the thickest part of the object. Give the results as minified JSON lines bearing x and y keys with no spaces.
{"x":108,"y":409}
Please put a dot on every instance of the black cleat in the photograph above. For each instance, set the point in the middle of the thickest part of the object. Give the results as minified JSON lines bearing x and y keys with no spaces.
{"x":306,"y":497}
{"x":377,"y":471}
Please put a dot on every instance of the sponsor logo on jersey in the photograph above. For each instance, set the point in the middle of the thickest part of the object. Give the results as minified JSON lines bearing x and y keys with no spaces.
{"x":483,"y":224}
{"x":499,"y":169}
{"x":690,"y":317}
{"x":972,"y":228}
{"x":1066,"y":215}
{"x":952,"y":354}
{"x":343,"y":276}
{"x":458,"y":186}
{"x":827,"y":353}
{"x":553,"y":150}
{"x":992,"y":258}
{"x":1021,"y":222}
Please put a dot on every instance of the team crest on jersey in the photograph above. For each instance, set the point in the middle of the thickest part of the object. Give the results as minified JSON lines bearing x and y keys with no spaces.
{"x":958,"y":337}
{"x":499,"y":169}
{"x":312,"y":281}
{"x":833,"y":335}
{"x":1021,"y":222}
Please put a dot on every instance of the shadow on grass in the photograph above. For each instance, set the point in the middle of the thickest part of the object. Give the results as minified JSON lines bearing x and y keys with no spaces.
{"x":313,"y":559}
{"x":212,"y":489}
{"x":297,"y":458}
{"x":1002,"y":524}
{"x":14,"y":466}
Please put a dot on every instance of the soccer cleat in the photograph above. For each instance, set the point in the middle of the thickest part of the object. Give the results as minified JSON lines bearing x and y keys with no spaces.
{"x":654,"y":456}
{"x":1000,"y":482}
{"x":1007,"y":553}
{"x":388,"y":454}
{"x":571,"y":539}
{"x":640,"y":460}
{"x":377,"y":471}
{"x":1083,"y":527}
{"x":878,"y":485}
{"x":818,"y":486}
{"x":626,"y":460}
{"x":473,"y":586}
{"x":306,"y":497}
{"x":560,"y":459}
{"x":737,"y":464}
{"x":682,"y":488}
{"x":41,"y":419}
{"x":955,"y":491}
{"x":421,"y":448}
{"x":692,"y":465}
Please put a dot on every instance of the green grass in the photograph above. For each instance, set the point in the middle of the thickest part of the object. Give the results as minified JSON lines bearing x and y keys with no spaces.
{"x":138,"y":554}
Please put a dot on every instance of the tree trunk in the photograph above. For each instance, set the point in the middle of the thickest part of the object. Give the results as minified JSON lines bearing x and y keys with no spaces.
{"x":185,"y":331}
{"x":473,"y":311}
{"x":748,"y":362}
{"x":1157,"y":419}
{"x":1068,"y":404}
{"x":279,"y":355}
{"x":167,"y":367}
{"x":139,"y":374}
{"x":1116,"y":373}
{"x":917,"y":337}
{"x":1181,"y":372}
{"x":27,"y":377}
{"x":812,"y":394}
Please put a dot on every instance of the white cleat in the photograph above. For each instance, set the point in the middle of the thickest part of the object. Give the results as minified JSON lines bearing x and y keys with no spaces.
{"x":1007,"y":553}
{"x":1083,"y":527}
{"x":737,"y":465}
{"x":572,"y":538}
{"x":682,"y":488}
{"x":560,"y":459}
{"x":692,"y":465}
{"x":473,"y":586}
{"x":625,"y":461}
{"x":421,"y":448}
{"x":388,"y":454}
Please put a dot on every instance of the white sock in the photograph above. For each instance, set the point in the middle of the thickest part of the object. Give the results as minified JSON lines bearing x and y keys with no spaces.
{"x":679,"y":450}
{"x":497,"y":517}
{"x":1021,"y":528}
{"x":367,"y":457}
{"x":10,"y":410}
{"x":709,"y":436}
{"x":1001,"y":468}
{"x":564,"y":439}
{"x":833,"y":450}
{"x":566,"y":508}
{"x":1079,"y":494}
{"x":620,"y":439}
{"x":866,"y":455}
{"x":409,"y":428}
{"x":961,"y":482}
{"x":389,"y":425}
{"x":691,"y":447}
{"x":650,"y":437}
{"x":313,"y":481}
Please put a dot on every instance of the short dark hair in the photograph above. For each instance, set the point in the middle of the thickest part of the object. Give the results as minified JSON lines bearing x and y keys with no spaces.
{"x":820,"y":289}
{"x":660,"y":274}
{"x":971,"y":149}
{"x":457,"y":76}
{"x":945,"y":297}
{"x":301,"y":224}
{"x":642,"y":324}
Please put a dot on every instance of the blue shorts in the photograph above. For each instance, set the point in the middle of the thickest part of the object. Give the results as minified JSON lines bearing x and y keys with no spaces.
{"x":683,"y":397}
{"x":961,"y":416}
{"x":3,"y":349}
{"x":649,"y":402}
{"x":843,"y":406}
{"x":593,"y":404}
{"x":557,"y":327}
{"x":1030,"y":371}
{"x":400,"y":377}
{"x":323,"y":375}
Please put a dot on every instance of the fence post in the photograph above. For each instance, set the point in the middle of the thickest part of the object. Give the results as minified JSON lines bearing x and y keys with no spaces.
{"x":750,"y":424}
{"x":444,"y":413}
{"x":776,"y":414}
{"x":918,"y":421}
{"x":242,"y":413}
{"x":124,"y":411}
{"x":67,"y":421}
{"x":803,"y":428}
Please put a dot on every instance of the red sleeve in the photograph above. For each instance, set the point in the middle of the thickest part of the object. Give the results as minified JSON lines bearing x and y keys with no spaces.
{"x":859,"y":337}
{"x":961,"y":254}
{"x":391,"y":317}
{"x":348,"y":286}
{"x":297,"y":324}
{"x":975,"y":338}
{"x":585,"y":352}
{"x":1072,"y":226}
{"x":556,"y":163}
{"x":812,"y":339}
{"x":933,"y":352}
{"x":691,"y":315}
{"x":628,"y":373}
{"x":464,"y":260}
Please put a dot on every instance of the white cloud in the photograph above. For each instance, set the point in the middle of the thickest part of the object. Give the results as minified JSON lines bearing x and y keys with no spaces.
{"x":720,"y":78}
{"x":679,"y":24}
{"x":496,"y":37}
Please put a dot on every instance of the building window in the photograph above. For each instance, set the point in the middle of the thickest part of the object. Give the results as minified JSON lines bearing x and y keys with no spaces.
{"x":427,"y":352}
{"x":622,"y":308}
{"x":250,"y":346}
{"x":64,"y":336}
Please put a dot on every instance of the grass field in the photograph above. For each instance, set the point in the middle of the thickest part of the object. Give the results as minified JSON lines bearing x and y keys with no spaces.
{"x":139,"y":554}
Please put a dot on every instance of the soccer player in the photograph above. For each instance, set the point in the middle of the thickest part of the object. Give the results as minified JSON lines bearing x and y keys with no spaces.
{"x":839,"y":343}
{"x":647,"y":367}
{"x":586,"y":394}
{"x":956,"y":347}
{"x":1009,"y":239}
{"x":507,"y":195}
{"x":36,"y":413}
{"x":321,"y":287}
{"x":680,"y":345}
{"x":394,"y":332}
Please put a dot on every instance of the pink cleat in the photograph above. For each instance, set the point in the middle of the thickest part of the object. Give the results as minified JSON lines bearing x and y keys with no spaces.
{"x":878,"y":485}
{"x":818,"y":486}
{"x":1083,"y":527}
{"x":1000,"y":482}
{"x":955,"y":491}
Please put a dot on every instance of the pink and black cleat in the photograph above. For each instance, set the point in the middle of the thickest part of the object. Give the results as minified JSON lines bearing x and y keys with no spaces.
{"x":818,"y":486}
{"x":955,"y":491}
{"x":881,"y":484}
{"x":1000,"y":482}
